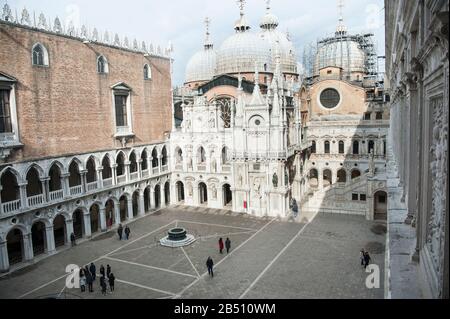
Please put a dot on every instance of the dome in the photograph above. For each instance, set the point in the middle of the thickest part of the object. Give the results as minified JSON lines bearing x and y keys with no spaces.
{"x":342,"y":52}
{"x":269,"y":21}
{"x":240,"y":52}
{"x":285,"y":47}
{"x":202,"y":65}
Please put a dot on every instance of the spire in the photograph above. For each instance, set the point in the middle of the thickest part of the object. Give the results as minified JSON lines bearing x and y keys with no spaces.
{"x":242,"y":24}
{"x":257,"y":98}
{"x":208,"y":42}
{"x":269,"y":21}
{"x":341,"y":29}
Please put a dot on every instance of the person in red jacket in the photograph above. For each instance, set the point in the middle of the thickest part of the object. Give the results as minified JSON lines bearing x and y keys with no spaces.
{"x":220,"y":245}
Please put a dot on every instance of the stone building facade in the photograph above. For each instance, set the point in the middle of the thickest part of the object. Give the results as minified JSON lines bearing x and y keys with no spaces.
{"x":418,"y":74}
{"x":83,"y":134}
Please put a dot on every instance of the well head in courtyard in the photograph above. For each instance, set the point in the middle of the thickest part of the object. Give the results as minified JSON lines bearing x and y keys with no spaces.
{"x":177,"y":237}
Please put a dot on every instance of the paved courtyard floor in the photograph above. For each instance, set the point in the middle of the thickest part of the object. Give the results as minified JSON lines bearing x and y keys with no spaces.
{"x":269,"y":258}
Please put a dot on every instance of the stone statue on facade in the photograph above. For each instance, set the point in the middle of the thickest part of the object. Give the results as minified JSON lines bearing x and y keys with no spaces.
{"x":189,"y":188}
{"x":275,"y":180}
{"x":214,"y":191}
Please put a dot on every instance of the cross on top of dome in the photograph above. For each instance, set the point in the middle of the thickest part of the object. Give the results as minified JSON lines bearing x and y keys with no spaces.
{"x":269,"y":21}
{"x":341,"y":28}
{"x":208,"y":43}
{"x":242,"y":24}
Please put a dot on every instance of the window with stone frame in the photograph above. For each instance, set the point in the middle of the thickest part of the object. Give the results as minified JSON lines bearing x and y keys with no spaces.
{"x":367,"y":116}
{"x":224,"y":105}
{"x":5,"y":111}
{"x":39,"y":55}
{"x":120,"y":101}
{"x":341,"y":147}
{"x":327,"y":147}
{"x":102,"y":65}
{"x":379,"y":116}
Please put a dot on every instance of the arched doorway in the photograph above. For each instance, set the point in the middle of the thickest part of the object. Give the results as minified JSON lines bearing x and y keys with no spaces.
{"x":227,"y":195}
{"x":380,"y":205}
{"x":313,"y":178}
{"x":135,"y":203}
{"x":157,"y":196}
{"x":59,"y":230}
{"x":342,"y":176}
{"x":78,"y":223}
{"x":95,"y":216}
{"x":147,"y":199}
{"x":167,"y":193}
{"x":14,"y":241}
{"x":123,"y":204}
{"x":356,"y":173}
{"x":180,"y":191}
{"x":327,"y":178}
{"x":38,"y":238}
{"x":203,"y":194}
{"x":110,"y":214}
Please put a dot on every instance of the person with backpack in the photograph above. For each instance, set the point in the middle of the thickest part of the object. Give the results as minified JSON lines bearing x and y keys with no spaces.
{"x":210,"y":265}
{"x":127,"y":232}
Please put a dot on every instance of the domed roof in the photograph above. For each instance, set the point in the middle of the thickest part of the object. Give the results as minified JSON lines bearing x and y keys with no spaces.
{"x":278,"y":41}
{"x":269,"y":21}
{"x":202,"y":65}
{"x":341,"y":52}
{"x":240,"y":52}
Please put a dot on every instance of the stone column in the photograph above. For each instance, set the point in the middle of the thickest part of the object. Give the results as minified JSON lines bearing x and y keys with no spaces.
{"x":117,"y":213}
{"x":152,"y":198}
{"x":150,"y":166}
{"x":65,"y":184}
{"x":141,"y":204}
{"x":114,"y":173}
{"x":45,"y":188}
{"x":4,"y":261}
{"x":130,"y":208}
{"x":139,"y":165}
{"x":69,"y":230}
{"x":99,"y":177}
{"x":28,"y":247}
{"x":102,"y":215}
{"x":50,"y":239}
{"x":83,"y":181}
{"x":87,"y":224}
{"x":23,"y":195}
{"x":160,"y":163}
{"x":127,"y":171}
{"x":162,"y":196}
{"x":1,"y":206}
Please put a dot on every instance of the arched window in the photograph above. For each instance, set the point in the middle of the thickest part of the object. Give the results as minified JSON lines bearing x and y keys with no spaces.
{"x":102,"y":64}
{"x":355,"y":148}
{"x":201,"y":155}
{"x":224,"y":105}
{"x":164,"y":156}
{"x":40,"y":55}
{"x":178,"y":155}
{"x":133,"y":163}
{"x":341,"y":147}
{"x":356,"y":173}
{"x":371,"y":146}
{"x":147,"y":72}
{"x":327,"y":147}
{"x":313,"y":147}
{"x":224,"y":156}
{"x":144,"y":163}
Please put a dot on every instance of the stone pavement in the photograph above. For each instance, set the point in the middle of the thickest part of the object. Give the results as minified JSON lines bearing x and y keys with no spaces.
{"x":269,"y":259}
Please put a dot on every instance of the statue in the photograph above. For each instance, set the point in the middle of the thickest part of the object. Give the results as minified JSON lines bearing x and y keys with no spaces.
{"x":275,"y":180}
{"x":214,"y":191}
{"x":371,"y":163}
{"x":189,"y":161}
{"x":214,"y":166}
{"x":189,"y":187}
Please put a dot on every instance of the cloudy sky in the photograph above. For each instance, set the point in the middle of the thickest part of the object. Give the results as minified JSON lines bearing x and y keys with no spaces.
{"x":180,"y":22}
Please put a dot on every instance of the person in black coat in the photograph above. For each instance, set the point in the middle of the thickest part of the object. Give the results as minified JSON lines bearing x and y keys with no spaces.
{"x":228,"y":244}
{"x":127,"y":232}
{"x":210,"y":265}
{"x":89,"y":281}
{"x":102,"y":271}
{"x":108,"y":270}
{"x":120,"y":231}
{"x":73,"y":239}
{"x":93,"y":271}
{"x":103,"y":285}
{"x":111,"y":279}
{"x":366,"y":259}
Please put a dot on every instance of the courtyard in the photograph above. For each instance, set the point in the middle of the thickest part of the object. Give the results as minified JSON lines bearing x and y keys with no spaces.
{"x":269,"y":258}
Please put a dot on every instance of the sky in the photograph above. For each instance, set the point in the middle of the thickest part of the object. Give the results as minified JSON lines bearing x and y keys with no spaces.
{"x":181,"y":22}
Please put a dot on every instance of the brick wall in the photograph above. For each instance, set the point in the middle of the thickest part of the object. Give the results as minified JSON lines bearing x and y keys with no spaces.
{"x":68,"y":107}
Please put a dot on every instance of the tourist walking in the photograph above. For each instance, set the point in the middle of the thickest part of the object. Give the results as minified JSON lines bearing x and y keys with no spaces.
{"x":111,"y":279}
{"x":103,"y":285}
{"x":127,"y":232}
{"x":82,"y":280}
{"x":108,"y":270}
{"x":89,"y":282}
{"x":102,"y":271}
{"x":366,"y":259}
{"x":210,"y":265}
{"x":73,"y":239}
{"x":294,"y":208}
{"x":361,"y":256}
{"x":228,"y":244}
{"x":120,"y":231}
{"x":86,"y":270}
{"x":93,"y":271}
{"x":221,"y":245}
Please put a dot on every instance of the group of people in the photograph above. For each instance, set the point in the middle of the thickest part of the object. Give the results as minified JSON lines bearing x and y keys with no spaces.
{"x":365,"y":258}
{"x":222,"y":245}
{"x":121,"y":231}
{"x":88,"y":275}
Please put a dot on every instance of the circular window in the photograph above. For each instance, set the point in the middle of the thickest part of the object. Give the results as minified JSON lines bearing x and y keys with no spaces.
{"x":257,"y":122}
{"x":330,"y":98}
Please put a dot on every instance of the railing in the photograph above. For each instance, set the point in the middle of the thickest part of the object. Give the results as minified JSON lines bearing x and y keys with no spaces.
{"x":165,"y":168}
{"x":56,"y":195}
{"x":107,"y":182}
{"x":12,"y":206}
{"x":134,"y":176}
{"x":92,"y":186}
{"x":35,"y":200}
{"x":155,"y":170}
{"x":121,"y":179}
{"x":145,"y":173}
{"x":76,"y":190}
{"x":201,"y":168}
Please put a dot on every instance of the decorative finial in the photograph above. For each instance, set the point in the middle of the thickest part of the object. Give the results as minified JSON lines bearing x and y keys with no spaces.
{"x":268,"y":5}
{"x":341,"y":29}
{"x":42,"y":22}
{"x":57,"y":26}
{"x":241,"y":4}
{"x":95,"y":35}
{"x":25,"y":20}
{"x":208,"y":43}
{"x":7,"y":14}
